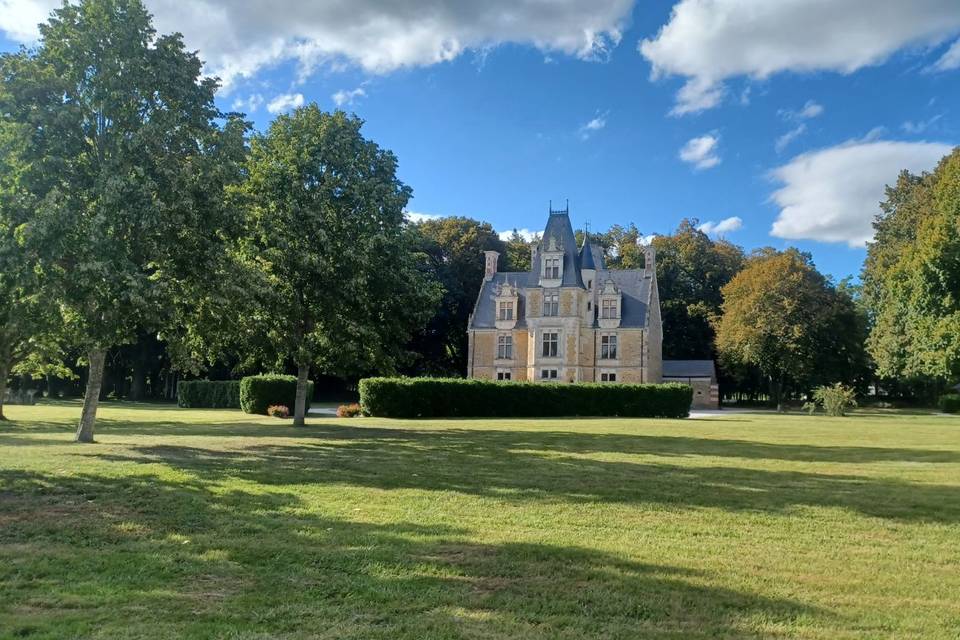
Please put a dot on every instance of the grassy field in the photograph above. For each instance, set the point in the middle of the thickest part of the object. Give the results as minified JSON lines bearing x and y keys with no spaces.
{"x":214,"y":524}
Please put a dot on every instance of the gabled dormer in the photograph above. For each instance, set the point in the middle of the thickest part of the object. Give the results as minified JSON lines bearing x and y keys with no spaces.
{"x":507,"y":301}
{"x":609,"y":305}
{"x":551,"y":262}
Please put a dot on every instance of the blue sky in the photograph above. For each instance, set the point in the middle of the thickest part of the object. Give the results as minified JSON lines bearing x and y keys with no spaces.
{"x":779,"y":122}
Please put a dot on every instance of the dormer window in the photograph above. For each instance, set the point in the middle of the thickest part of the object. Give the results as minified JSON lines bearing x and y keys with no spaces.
{"x":551,"y":268}
{"x":609,"y":309}
{"x":506,"y":310}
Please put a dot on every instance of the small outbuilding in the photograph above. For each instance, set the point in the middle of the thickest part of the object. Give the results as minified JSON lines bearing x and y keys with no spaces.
{"x":699,"y":374}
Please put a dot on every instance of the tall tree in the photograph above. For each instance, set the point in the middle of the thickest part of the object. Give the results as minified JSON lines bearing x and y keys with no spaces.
{"x":912,"y":276}
{"x":123,"y":155}
{"x":454,"y":247}
{"x":692,"y":269}
{"x":517,"y":252}
{"x":335,"y":282}
{"x":27,"y":315}
{"x":773,"y":317}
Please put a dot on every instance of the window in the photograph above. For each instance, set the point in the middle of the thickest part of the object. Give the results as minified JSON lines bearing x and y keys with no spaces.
{"x":548,"y":374}
{"x":551,"y":342}
{"x":551,"y":268}
{"x":608,"y":347}
{"x":551,"y":303}
{"x":608,"y":376}
{"x":506,"y":311}
{"x":608,"y":309}
{"x":505,"y":346}
{"x":503,"y":374}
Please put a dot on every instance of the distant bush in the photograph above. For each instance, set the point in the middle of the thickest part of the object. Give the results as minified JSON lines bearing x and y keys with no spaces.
{"x":448,"y":397}
{"x":950,"y":403}
{"x":278,"y":411}
{"x":257,"y":393}
{"x":209,"y":394}
{"x":348,"y":410}
{"x":835,"y":399}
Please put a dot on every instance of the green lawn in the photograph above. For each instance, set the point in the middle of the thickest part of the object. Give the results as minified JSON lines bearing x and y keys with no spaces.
{"x":210,"y":524}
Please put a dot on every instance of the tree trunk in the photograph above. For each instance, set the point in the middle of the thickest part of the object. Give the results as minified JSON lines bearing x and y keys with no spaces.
{"x":4,"y":369}
{"x":778,"y":392}
{"x":92,"y":396}
{"x":300,"y":404}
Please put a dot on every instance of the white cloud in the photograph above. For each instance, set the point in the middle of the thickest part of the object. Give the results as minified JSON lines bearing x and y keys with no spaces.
{"x":949,"y":60}
{"x":249,"y":104}
{"x":346,"y":97}
{"x":594,"y":125}
{"x":810,"y":110}
{"x":701,"y":152}
{"x":527,"y":234}
{"x":710,"y":41}
{"x":726,"y":225}
{"x":921,"y":125}
{"x":833,"y":195}
{"x":285,"y":102}
{"x":237,"y":38}
{"x":785,"y":140}
{"x":414,"y":216}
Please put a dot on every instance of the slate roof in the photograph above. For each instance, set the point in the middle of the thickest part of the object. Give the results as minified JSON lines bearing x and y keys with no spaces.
{"x":633,"y":283}
{"x":689,"y":369}
{"x":559,"y":229}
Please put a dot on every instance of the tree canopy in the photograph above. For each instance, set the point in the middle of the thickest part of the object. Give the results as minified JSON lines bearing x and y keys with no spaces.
{"x":334,"y":284}
{"x":123,"y":163}
{"x":912,"y":276}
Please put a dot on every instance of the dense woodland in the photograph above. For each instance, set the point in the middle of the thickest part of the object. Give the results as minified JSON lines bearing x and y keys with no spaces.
{"x":147,"y":236}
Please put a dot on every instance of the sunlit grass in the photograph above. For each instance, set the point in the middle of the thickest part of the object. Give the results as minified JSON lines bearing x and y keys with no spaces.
{"x":204,"y":523}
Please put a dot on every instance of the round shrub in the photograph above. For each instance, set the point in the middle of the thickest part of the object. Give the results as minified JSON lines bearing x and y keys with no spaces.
{"x":257,"y":393}
{"x":278,"y":411}
{"x":351,"y":410}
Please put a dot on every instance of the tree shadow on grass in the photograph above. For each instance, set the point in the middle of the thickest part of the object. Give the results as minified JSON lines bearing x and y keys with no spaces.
{"x":89,"y":554}
{"x":552,"y":466}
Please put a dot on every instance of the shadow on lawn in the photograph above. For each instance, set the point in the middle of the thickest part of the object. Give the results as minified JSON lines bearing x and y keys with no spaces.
{"x":527,"y":465}
{"x":92,"y":552}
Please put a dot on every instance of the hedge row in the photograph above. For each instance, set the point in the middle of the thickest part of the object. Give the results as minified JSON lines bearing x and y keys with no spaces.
{"x":259,"y":392}
{"x":209,"y":394}
{"x":449,"y":397}
{"x":950,"y":403}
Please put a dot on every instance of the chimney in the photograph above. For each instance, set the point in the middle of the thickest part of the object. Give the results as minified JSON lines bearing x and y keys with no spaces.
{"x":490,"y":266}
{"x":650,"y":260}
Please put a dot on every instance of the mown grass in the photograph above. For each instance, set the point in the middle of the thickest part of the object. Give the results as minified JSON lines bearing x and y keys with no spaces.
{"x":213,"y":524}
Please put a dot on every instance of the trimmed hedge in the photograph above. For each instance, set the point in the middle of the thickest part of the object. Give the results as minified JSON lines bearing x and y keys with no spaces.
{"x":209,"y":394}
{"x":259,"y":392}
{"x":950,"y":403}
{"x":455,"y":397}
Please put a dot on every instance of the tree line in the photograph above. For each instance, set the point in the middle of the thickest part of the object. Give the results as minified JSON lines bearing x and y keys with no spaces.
{"x":144,"y":231}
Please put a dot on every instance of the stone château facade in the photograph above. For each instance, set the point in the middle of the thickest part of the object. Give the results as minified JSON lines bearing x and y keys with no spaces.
{"x":568,"y":319}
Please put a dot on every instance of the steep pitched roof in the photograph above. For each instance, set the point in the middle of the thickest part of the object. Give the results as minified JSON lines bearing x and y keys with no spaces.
{"x":560,"y":231}
{"x":591,"y":256}
{"x":634,"y":288}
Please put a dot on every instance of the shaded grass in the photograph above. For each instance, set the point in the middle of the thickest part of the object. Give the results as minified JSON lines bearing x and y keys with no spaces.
{"x":208,"y":523}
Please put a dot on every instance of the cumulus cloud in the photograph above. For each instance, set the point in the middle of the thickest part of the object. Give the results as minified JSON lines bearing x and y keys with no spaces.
{"x":832,"y":195}
{"x":527,"y":234}
{"x":594,"y":125}
{"x":237,"y":38}
{"x":346,"y":97}
{"x":701,"y":152}
{"x":720,"y":228}
{"x":285,"y":102}
{"x":710,"y":41}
